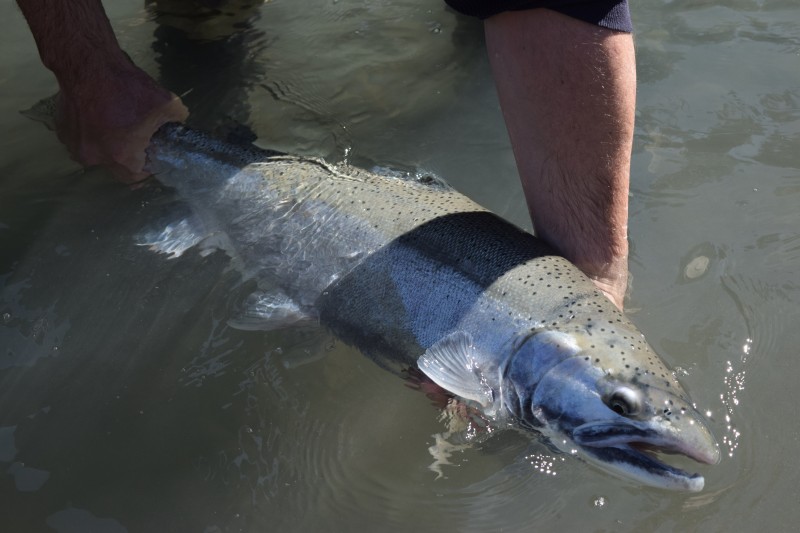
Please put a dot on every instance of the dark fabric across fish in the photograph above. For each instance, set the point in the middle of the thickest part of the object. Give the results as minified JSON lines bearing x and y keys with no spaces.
{"x":468,"y":242}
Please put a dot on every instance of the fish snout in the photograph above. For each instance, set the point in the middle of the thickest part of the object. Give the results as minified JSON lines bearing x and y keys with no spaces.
{"x":691,"y":439}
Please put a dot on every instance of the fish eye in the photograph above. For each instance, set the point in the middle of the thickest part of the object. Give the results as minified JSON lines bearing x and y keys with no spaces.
{"x":625,"y":401}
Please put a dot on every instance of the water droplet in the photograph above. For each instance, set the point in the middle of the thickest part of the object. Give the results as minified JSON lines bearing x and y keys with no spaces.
{"x":748,"y":345}
{"x":599,"y":501}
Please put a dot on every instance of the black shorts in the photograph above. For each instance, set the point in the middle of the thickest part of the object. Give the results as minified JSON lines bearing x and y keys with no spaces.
{"x":612,"y":14}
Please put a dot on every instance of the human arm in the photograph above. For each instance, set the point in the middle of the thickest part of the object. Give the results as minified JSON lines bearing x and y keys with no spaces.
{"x":108,"y":108}
{"x":568,"y":93}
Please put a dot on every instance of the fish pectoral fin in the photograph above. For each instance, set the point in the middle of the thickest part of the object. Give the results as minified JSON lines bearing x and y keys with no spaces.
{"x":268,"y":311}
{"x":174,"y":235}
{"x":174,"y":238}
{"x":451,"y":364}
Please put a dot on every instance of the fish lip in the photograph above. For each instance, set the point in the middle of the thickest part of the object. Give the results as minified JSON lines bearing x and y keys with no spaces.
{"x":626,"y":443}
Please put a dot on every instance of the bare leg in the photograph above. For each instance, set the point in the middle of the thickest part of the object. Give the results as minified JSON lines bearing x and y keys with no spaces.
{"x":568,"y":93}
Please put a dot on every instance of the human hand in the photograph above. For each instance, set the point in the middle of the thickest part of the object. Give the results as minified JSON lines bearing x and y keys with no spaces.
{"x":613,"y":288}
{"x":108,"y":117}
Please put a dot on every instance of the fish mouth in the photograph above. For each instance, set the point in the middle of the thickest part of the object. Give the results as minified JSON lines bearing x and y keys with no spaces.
{"x":630,"y":449}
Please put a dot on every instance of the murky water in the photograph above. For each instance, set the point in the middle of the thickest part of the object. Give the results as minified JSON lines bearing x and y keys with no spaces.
{"x":127,"y":403}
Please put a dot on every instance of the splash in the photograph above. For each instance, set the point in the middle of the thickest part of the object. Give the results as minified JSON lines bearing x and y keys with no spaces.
{"x":544,"y":464}
{"x":734,"y":382}
{"x":465,"y":427}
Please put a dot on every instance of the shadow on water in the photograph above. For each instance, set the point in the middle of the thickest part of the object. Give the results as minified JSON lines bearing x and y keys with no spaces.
{"x":198,"y":40}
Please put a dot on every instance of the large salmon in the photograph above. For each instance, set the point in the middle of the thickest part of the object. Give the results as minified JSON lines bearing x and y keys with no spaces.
{"x":413,"y":273}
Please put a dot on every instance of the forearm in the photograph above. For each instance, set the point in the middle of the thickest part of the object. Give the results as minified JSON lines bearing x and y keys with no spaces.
{"x":107,"y":108}
{"x":568,"y":91}
{"x":74,"y":37}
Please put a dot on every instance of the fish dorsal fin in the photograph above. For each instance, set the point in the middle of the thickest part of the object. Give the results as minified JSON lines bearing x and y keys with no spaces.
{"x":421,"y":176}
{"x":451,"y":364}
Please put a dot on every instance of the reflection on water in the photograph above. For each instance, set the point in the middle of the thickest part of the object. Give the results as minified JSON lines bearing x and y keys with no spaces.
{"x":197,"y":39}
{"x":128,"y":403}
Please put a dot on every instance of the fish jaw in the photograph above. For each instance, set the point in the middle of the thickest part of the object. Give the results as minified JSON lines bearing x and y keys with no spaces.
{"x":626,"y":461}
{"x":570,"y":404}
{"x":624,"y":446}
{"x":693,"y":441}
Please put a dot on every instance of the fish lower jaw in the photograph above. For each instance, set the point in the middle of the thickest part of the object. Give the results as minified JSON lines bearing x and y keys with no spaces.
{"x":631,"y":460}
{"x":638,"y":461}
{"x":634,"y":449}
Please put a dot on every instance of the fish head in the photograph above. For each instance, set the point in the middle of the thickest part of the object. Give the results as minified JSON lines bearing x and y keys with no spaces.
{"x":606,"y":396}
